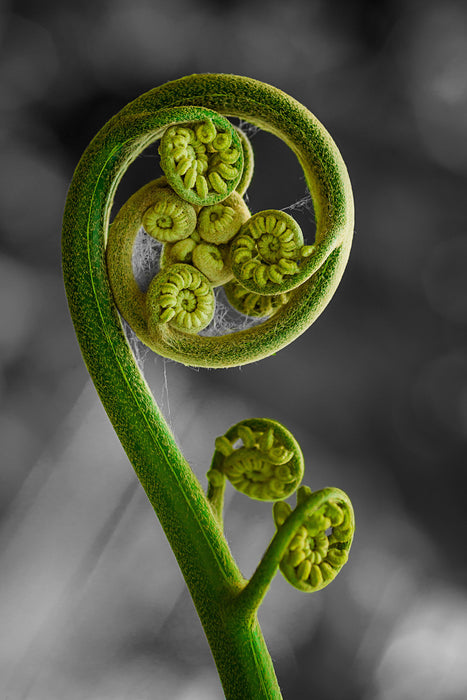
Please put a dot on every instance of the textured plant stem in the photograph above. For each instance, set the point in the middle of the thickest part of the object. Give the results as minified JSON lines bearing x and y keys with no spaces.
{"x":211,"y":574}
{"x":205,"y":560}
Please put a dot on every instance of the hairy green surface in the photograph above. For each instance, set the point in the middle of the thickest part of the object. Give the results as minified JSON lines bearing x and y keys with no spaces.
{"x":226,"y":603}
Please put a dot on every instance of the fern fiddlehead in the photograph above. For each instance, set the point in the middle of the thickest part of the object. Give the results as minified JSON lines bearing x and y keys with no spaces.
{"x":182,"y":296}
{"x":207,"y":165}
{"x":203,"y":161}
{"x":251,"y":303}
{"x":170,"y":218}
{"x":312,"y":541}
{"x":313,"y":558}
{"x":267,"y":252}
{"x":313,"y":273}
{"x":268,"y":465}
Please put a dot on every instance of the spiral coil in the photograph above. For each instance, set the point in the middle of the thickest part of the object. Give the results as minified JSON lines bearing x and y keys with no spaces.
{"x":320,"y":545}
{"x":182,"y":296}
{"x":267,"y":252}
{"x":260,"y":458}
{"x":208,"y":165}
{"x":203,"y":161}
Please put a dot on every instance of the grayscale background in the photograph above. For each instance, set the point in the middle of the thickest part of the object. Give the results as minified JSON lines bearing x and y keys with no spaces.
{"x":92,"y":605}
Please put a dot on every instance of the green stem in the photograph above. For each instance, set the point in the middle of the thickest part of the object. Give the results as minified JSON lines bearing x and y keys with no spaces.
{"x":194,"y":535}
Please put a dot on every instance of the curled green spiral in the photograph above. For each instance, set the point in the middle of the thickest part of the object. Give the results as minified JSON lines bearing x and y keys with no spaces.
{"x":169,"y":218}
{"x":182,"y":296}
{"x":260,"y":458}
{"x":219,"y":223}
{"x":195,"y":100}
{"x":203,"y":161}
{"x":181,"y":251}
{"x":213,"y":261}
{"x":267,"y":252}
{"x":252,"y":304}
{"x":322,"y":539}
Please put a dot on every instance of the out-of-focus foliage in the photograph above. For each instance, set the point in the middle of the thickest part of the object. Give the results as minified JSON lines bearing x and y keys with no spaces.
{"x":91,"y":602}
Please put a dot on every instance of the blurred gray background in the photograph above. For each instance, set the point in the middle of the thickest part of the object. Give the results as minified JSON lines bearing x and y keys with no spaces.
{"x":92,"y":605}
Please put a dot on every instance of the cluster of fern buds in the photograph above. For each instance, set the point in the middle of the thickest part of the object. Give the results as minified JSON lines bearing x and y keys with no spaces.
{"x":209,"y":237}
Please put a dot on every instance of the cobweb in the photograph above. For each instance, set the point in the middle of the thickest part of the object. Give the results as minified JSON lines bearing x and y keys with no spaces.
{"x":146,"y":259}
{"x":249,"y":129}
{"x":305,"y":204}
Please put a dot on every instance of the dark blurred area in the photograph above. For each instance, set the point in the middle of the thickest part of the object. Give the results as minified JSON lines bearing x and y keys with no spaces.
{"x":91,"y":600}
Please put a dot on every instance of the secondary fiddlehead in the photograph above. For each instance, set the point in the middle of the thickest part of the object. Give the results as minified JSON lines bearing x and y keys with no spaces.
{"x":262,"y":459}
{"x":303,"y":531}
{"x":320,"y":546}
{"x":206,"y":247}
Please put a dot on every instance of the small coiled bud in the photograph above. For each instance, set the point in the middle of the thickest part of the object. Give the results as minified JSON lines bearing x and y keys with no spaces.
{"x":169,"y":218}
{"x":179,"y":252}
{"x":215,"y":478}
{"x":212,"y":261}
{"x":281,"y":511}
{"x":219,"y":223}
{"x":203,"y":161}
{"x":267,"y":251}
{"x":181,"y":296}
{"x":321,"y":543}
{"x":267,"y":465}
{"x":252,"y":304}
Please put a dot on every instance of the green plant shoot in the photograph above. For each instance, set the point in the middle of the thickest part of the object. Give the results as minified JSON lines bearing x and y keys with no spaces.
{"x":207,"y":241}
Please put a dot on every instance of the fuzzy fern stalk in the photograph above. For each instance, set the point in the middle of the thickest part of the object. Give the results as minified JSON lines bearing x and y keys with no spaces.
{"x":207,"y":239}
